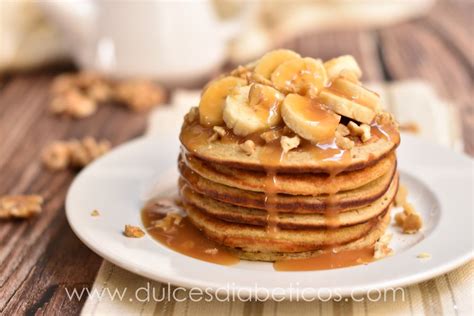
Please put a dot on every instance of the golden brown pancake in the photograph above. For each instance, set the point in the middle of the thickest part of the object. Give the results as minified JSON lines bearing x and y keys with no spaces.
{"x":195,"y":140}
{"x":364,"y":242}
{"x":299,"y":184}
{"x":257,"y":239}
{"x":290,"y":203}
{"x":251,"y":216}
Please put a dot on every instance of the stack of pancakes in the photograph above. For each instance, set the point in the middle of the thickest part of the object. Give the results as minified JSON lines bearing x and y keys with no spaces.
{"x":271,"y":204}
{"x":229,"y":203}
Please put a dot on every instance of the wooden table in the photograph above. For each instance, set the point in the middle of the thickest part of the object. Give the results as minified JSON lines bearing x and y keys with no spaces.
{"x":41,"y":257}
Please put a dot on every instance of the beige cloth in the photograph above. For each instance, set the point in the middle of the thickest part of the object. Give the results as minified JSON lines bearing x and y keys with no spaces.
{"x":449,"y":294}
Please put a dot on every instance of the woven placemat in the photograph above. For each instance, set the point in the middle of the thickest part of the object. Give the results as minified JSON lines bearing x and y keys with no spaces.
{"x":449,"y":294}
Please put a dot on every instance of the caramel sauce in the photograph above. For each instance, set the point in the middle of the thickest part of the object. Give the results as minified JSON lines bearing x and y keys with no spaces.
{"x":186,"y":239}
{"x":325,"y":261}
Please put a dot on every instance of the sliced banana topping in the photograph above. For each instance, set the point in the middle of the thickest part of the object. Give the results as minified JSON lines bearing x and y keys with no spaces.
{"x":253,"y":108}
{"x":270,"y":61}
{"x":357,"y":93}
{"x":213,"y":100}
{"x":308,"y":118}
{"x":345,"y":66}
{"x":305,"y":76}
{"x":346,"y":107}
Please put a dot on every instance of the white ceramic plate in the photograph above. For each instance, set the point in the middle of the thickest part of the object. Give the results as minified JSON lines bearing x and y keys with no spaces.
{"x":440,"y":184}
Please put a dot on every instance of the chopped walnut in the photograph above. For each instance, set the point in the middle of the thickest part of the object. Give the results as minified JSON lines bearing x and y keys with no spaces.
{"x":133,"y":231}
{"x":409,"y":220}
{"x":85,"y":151}
{"x":219,"y":130}
{"x":248,"y":147}
{"x":74,"y":104}
{"x":410,"y":127}
{"x":167,"y":222}
{"x":20,"y":206}
{"x":401,"y":196}
{"x":211,"y":251}
{"x":362,"y":131}
{"x":424,"y":255}
{"x":139,"y":95}
{"x":213,"y":137}
{"x":56,"y":156}
{"x":382,"y":248}
{"x":343,"y":130}
{"x":95,"y":213}
{"x":271,"y":136}
{"x":344,"y":142}
{"x":385,"y":118}
{"x":289,"y":143}
{"x":192,"y":115}
{"x":73,"y":153}
{"x":257,"y":78}
{"x":241,"y":72}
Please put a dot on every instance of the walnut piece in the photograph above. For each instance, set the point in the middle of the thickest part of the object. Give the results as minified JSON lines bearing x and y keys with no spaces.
{"x":385,"y":118}
{"x":424,"y":255}
{"x":192,"y":115}
{"x":139,"y":95}
{"x":362,"y":131}
{"x":343,"y":130}
{"x":271,"y":136}
{"x":289,"y":143}
{"x":73,"y":153}
{"x":219,"y":130}
{"x":409,"y":220}
{"x":56,"y":156}
{"x":344,"y":142}
{"x":167,"y":222}
{"x":74,"y":104}
{"x":133,"y":231}
{"x":95,"y":213}
{"x":248,"y":147}
{"x":20,"y":206}
{"x":382,"y":248}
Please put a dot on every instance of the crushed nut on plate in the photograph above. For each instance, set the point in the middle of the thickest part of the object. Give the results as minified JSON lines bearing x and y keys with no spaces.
{"x":133,"y":231}
{"x":20,"y":206}
{"x":382,"y":248}
{"x":409,"y":220}
{"x":95,"y":213}
{"x":424,"y":255}
{"x":167,"y":222}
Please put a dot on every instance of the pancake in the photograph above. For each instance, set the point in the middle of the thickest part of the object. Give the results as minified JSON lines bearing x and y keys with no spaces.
{"x":195,"y":139}
{"x":250,"y":216}
{"x":257,"y":239}
{"x":366,"y":241}
{"x":290,"y":203}
{"x":294,"y":184}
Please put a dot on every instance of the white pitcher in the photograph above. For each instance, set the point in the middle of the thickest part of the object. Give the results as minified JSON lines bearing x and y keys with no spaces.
{"x":175,"y":42}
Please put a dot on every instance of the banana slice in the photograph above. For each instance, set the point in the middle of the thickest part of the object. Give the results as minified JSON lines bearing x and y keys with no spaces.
{"x":270,"y":61}
{"x":345,"y":66}
{"x":304,"y":76}
{"x":213,"y":99}
{"x":346,"y":107}
{"x":357,"y":93}
{"x":254,"y":108}
{"x":309,"y":119}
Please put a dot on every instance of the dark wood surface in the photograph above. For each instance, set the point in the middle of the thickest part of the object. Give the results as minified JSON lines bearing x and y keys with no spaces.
{"x":41,"y":257}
